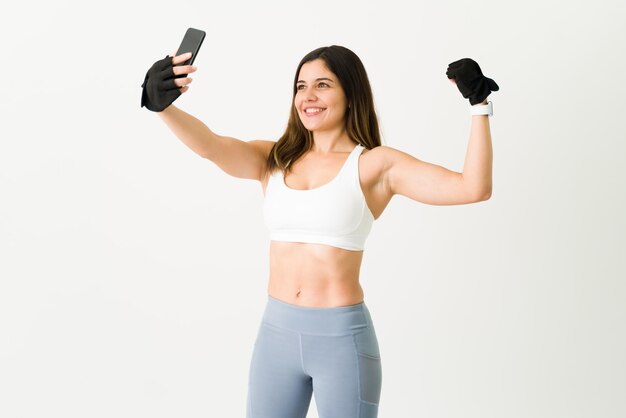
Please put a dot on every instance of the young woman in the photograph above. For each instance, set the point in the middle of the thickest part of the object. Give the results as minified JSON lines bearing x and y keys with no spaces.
{"x":325,"y":181}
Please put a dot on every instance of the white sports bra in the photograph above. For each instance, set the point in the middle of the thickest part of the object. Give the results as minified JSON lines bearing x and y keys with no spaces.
{"x":334,"y":214}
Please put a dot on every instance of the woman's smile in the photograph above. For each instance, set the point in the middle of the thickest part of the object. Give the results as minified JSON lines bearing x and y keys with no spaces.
{"x":313,"y":111}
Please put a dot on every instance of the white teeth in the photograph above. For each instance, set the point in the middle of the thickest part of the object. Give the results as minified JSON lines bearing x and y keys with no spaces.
{"x":313,"y":110}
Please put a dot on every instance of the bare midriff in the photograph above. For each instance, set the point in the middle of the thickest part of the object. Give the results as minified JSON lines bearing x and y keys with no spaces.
{"x":314,"y":275}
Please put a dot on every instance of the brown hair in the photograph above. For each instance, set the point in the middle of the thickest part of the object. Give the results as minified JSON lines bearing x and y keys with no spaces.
{"x":361,"y":121}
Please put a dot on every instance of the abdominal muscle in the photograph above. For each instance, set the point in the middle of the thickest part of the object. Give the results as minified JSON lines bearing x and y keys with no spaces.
{"x":314,"y":275}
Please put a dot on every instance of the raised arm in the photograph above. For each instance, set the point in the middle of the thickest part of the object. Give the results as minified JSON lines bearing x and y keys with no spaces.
{"x":436,"y":185}
{"x":235,"y":157}
{"x":191,"y":131}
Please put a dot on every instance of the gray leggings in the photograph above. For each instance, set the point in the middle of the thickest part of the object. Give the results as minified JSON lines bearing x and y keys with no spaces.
{"x":300,"y":350}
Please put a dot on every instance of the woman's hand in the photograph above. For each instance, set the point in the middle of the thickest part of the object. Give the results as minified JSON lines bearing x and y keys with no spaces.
{"x":471,"y":82}
{"x":453,"y":81}
{"x":181,"y":70}
{"x":165,"y":81}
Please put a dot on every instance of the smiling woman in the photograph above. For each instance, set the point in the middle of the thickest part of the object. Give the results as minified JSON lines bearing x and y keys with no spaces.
{"x":325,"y":181}
{"x":320,"y":101}
{"x":331,"y":82}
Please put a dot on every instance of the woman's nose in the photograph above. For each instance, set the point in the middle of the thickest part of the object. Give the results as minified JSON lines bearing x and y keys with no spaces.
{"x":310,"y":95}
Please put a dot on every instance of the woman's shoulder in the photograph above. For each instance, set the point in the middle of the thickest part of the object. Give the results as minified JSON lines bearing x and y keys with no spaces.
{"x":382,"y":154}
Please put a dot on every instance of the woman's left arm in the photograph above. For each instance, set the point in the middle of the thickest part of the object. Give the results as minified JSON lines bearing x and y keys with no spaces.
{"x":479,"y":158}
{"x":436,"y":185}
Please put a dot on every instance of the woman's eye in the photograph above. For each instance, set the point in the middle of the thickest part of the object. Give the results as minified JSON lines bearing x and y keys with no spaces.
{"x":299,"y":87}
{"x":322,"y":84}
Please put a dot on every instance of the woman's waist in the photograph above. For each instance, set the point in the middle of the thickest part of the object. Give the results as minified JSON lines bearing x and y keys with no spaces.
{"x":315,"y":296}
{"x":337,"y":320}
{"x":306,"y":275}
{"x":315,"y":285}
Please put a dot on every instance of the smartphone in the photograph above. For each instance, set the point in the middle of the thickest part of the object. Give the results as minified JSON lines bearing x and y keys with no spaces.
{"x":191,"y":43}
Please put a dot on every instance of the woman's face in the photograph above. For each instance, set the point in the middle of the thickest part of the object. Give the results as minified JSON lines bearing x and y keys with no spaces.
{"x":320,"y":100}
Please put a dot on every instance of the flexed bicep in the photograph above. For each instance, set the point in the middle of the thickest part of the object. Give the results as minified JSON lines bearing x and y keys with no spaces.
{"x":425,"y":182}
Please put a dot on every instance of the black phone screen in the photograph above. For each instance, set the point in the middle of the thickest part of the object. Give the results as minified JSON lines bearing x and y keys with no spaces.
{"x":191,"y":43}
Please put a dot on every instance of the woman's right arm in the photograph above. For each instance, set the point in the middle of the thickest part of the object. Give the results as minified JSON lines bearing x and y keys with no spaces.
{"x":191,"y":131}
{"x":235,"y":157}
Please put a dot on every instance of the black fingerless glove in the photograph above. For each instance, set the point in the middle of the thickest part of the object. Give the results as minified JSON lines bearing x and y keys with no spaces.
{"x":159,"y":90}
{"x":470,"y":80}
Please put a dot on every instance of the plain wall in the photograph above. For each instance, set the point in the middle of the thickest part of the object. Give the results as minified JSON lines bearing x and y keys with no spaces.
{"x":133,"y":273}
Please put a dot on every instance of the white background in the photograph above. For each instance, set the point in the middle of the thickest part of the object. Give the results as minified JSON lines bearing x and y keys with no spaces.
{"x":133,"y":273}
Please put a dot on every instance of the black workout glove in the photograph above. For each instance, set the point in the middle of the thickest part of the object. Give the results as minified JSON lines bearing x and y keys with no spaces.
{"x":470,"y":80}
{"x":159,"y":90}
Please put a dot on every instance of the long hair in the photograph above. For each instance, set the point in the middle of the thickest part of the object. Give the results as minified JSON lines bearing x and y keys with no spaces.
{"x":361,"y":120}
